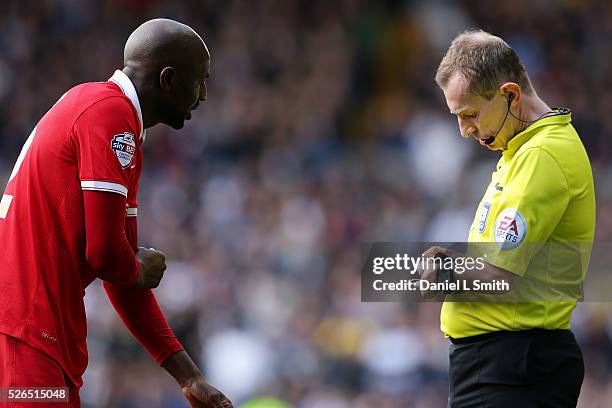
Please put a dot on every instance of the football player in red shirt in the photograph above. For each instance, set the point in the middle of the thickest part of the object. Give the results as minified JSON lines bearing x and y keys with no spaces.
{"x":68,"y":216}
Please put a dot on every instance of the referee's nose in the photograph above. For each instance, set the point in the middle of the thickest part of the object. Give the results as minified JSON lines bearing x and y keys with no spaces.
{"x":466,"y":127}
{"x":468,"y":132}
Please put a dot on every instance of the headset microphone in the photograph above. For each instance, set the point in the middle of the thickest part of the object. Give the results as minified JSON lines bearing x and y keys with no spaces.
{"x":491,"y":139}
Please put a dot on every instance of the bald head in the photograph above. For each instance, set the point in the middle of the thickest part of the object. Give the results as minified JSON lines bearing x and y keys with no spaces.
{"x":163,"y":42}
{"x":168,"y":63}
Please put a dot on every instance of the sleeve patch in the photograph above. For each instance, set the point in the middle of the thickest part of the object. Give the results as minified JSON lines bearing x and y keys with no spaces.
{"x":484,"y":215}
{"x":510,"y":228}
{"x":124,"y":146}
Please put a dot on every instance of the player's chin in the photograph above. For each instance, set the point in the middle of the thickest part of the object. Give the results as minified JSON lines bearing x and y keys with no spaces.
{"x":176,"y":124}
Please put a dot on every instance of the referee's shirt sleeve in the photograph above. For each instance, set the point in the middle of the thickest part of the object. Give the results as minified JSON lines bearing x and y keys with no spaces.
{"x":534,"y":196}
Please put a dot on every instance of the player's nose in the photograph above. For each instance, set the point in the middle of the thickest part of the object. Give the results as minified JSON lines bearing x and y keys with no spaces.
{"x":203,"y":93}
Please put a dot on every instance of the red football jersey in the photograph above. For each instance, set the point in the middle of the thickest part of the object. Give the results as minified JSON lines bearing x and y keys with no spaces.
{"x":89,"y":140}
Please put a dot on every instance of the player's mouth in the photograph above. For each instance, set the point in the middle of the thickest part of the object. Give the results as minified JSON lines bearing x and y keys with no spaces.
{"x":192,"y":108}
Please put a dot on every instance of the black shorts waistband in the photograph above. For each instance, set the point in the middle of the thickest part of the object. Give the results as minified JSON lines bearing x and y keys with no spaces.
{"x":560,"y":333}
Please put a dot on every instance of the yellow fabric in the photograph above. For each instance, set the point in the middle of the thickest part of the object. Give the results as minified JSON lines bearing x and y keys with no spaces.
{"x":540,"y":193}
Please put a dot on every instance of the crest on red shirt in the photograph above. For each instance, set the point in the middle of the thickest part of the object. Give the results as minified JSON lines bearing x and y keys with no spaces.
{"x":124,"y":146}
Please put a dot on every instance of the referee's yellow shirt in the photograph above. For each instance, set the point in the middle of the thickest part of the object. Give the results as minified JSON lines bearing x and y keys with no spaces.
{"x":541,"y":192}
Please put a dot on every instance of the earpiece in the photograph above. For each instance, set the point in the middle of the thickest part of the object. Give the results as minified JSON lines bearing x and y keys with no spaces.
{"x":510,"y":97}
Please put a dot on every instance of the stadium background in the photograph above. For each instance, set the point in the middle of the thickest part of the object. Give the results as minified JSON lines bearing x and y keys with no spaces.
{"x":323,"y":129}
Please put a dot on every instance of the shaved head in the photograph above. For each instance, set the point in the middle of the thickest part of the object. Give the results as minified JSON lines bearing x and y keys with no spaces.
{"x":168,"y":62}
{"x":164,"y":42}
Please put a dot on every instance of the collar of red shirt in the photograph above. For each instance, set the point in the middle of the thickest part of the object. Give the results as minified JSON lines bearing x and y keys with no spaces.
{"x":126,"y":85}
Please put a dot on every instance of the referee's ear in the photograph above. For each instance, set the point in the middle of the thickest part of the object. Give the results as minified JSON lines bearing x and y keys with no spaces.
{"x":511,"y":92}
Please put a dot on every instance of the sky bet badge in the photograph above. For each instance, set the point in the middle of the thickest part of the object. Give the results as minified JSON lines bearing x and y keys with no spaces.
{"x":510,"y":228}
{"x":124,"y":147}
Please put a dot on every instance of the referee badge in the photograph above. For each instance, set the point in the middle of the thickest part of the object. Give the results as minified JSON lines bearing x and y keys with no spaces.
{"x":510,"y":228}
{"x":484,"y":215}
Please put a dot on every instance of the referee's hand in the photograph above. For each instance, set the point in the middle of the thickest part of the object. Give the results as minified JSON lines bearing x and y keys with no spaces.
{"x":152,"y":267}
{"x":427,"y":271}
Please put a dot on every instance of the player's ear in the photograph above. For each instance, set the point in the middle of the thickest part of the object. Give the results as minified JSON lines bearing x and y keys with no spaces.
{"x":167,"y":78}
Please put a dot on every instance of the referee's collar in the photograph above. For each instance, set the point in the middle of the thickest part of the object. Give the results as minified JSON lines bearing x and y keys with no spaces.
{"x":560,"y":116}
{"x":127,"y":87}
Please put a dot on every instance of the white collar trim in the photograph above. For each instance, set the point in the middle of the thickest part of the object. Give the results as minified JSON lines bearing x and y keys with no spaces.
{"x":126,"y":85}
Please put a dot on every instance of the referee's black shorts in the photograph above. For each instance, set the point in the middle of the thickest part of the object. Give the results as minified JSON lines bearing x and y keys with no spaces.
{"x":522,"y":369}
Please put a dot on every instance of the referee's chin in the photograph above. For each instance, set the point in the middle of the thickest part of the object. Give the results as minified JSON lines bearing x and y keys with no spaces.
{"x":494,"y":146}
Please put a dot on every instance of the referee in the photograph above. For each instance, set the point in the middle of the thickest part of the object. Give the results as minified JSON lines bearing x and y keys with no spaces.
{"x":519,"y":352}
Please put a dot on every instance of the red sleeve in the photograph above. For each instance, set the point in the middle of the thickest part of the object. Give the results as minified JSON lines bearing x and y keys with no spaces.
{"x":142,"y":315}
{"x":108,"y":250}
{"x":131,"y":230}
{"x":105,"y":140}
{"x":140,"y":312}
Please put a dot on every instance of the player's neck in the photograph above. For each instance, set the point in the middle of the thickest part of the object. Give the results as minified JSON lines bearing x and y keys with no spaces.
{"x":139,"y":82}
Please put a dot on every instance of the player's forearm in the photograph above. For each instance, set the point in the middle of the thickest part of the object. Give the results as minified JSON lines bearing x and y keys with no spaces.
{"x":180,"y":366}
{"x":141,"y":314}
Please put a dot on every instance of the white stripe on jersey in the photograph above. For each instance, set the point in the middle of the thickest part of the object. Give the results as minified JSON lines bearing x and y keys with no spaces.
{"x":132,"y":211}
{"x":104,"y":186}
{"x":22,"y":154}
{"x":5,"y":203}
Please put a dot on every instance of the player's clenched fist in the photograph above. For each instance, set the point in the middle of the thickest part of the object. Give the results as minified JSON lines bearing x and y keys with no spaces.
{"x":200,"y":394}
{"x":152,"y":267}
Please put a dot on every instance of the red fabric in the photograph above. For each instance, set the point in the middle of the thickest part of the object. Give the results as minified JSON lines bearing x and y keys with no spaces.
{"x":140,"y":312}
{"x":139,"y":309}
{"x":89,"y":140}
{"x":24,"y":366}
{"x":108,"y":250}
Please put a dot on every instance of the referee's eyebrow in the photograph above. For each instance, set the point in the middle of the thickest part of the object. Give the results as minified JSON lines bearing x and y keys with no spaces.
{"x":459,"y":112}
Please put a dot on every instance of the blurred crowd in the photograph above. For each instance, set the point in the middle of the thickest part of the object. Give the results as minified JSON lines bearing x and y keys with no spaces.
{"x":323,"y":130}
